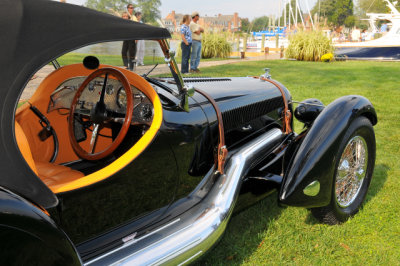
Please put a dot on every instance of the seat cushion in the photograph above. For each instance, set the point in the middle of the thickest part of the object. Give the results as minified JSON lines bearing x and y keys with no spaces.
{"x":23,"y":146}
{"x":53,"y":174}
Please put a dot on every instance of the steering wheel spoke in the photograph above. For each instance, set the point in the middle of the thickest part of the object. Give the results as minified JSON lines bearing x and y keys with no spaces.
{"x":93,"y":139}
{"x":99,"y":116}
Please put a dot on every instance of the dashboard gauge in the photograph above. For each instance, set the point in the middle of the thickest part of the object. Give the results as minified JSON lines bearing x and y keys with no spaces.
{"x":121,"y":98}
{"x":143,"y":113}
{"x":91,"y":86}
{"x":146,"y":112}
{"x":110,"y":89}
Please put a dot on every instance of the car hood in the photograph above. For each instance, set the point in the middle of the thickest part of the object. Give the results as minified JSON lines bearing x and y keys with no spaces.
{"x":239,"y":88}
{"x":240,"y":99}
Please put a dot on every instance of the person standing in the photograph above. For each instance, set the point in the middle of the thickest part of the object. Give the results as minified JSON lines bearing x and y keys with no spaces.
{"x":186,"y":43}
{"x":129,"y":47}
{"x":196,"y":30}
{"x":130,"y":9}
{"x":140,"y":44}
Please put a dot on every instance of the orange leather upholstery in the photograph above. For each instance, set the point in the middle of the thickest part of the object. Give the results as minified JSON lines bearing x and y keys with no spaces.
{"x":51,"y":174}
{"x":23,"y":146}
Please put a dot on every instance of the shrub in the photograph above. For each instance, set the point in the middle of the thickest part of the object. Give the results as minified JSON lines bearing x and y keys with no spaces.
{"x":215,"y":45}
{"x":308,"y":46}
{"x":327,"y":57}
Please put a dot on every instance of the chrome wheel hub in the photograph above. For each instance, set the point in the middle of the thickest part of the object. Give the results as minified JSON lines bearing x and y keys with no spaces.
{"x":351,"y":171}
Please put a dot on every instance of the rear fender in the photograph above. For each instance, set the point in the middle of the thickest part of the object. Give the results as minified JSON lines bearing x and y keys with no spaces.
{"x":316,"y":157}
{"x":29,"y":236}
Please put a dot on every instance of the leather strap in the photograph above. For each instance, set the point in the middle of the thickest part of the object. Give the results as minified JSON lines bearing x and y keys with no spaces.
{"x":287,"y":115}
{"x":222,"y":152}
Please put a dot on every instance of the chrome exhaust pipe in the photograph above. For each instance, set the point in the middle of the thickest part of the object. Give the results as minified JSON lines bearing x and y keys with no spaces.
{"x":198,"y":229}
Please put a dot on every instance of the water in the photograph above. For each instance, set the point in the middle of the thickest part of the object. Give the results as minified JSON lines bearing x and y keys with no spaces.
{"x":152,"y":48}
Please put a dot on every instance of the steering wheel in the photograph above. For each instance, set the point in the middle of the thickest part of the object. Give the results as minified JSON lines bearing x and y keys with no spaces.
{"x":100,"y":116}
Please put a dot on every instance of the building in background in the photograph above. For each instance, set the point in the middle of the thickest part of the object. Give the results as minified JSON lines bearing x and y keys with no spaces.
{"x":230,"y":23}
{"x":172,"y":21}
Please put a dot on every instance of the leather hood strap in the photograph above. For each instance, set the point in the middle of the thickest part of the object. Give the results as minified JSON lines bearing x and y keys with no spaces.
{"x":222,"y":150}
{"x":287,"y":115}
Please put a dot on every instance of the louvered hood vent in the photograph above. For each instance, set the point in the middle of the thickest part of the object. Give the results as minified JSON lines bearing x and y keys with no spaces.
{"x":242,"y":100}
{"x":239,"y":116}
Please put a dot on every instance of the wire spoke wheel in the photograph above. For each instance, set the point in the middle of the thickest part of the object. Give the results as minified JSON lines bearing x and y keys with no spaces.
{"x":351,"y":172}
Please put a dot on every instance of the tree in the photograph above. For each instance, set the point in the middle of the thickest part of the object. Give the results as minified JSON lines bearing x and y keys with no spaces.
{"x":107,"y":6}
{"x":377,"y":6}
{"x":150,"y":10}
{"x":324,"y":8}
{"x":260,"y":23}
{"x":350,"y":21}
{"x":245,"y":25}
{"x":343,"y":9}
{"x":338,"y":12}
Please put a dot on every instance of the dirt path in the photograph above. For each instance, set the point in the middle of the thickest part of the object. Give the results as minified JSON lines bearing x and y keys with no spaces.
{"x":161,"y":69}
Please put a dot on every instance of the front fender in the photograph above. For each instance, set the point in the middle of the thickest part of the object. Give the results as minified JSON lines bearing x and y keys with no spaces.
{"x":28,"y":236}
{"x":316,"y":157}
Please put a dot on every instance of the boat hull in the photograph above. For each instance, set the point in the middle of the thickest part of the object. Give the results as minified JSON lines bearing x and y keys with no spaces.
{"x":369,"y":53}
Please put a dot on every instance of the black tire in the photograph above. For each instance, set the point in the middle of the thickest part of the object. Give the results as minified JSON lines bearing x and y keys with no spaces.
{"x":359,"y":135}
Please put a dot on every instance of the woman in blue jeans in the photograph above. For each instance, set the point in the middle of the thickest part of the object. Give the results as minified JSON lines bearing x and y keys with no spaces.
{"x":186,"y":43}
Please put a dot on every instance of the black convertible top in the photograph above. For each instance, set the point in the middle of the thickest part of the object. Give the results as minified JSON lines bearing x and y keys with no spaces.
{"x":32,"y":33}
{"x":44,"y":29}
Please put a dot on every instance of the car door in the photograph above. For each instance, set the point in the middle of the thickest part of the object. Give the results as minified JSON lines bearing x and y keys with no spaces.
{"x":146,"y":185}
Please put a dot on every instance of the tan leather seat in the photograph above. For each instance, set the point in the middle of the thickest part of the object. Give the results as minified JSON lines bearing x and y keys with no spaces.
{"x":51,"y":174}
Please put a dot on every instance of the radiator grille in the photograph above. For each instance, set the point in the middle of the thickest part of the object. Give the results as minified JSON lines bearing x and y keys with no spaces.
{"x":239,"y":116}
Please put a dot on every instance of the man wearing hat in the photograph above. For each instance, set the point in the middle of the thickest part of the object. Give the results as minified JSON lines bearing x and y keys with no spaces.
{"x":196,"y":42}
{"x":129,"y":46}
{"x":130,"y":8}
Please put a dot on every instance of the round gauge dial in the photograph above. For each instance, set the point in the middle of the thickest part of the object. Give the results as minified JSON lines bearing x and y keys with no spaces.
{"x":91,"y":86}
{"x":121,"y":98}
{"x":110,"y":89}
{"x":143,"y":113}
{"x":146,"y":112}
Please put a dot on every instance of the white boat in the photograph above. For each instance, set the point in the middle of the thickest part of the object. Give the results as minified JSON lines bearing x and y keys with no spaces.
{"x":385,"y":48}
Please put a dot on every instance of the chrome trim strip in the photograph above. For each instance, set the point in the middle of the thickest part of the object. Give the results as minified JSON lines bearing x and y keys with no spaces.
{"x":189,"y":259}
{"x":133,"y":241}
{"x":200,"y":227}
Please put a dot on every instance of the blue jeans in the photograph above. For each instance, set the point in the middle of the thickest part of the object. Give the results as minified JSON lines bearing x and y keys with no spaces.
{"x":185,"y":57}
{"x":196,"y":55}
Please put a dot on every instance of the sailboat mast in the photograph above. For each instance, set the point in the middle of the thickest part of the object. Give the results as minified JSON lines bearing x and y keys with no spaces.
{"x":290,"y":13}
{"x":319,"y":10}
{"x":284,"y":13}
{"x":309,"y":13}
{"x":297,"y":7}
{"x":279,"y":14}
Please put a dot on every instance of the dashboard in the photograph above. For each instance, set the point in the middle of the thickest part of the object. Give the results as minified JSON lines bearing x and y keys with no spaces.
{"x":114,"y":99}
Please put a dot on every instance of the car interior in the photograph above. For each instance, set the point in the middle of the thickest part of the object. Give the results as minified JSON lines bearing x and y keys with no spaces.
{"x":82,"y":126}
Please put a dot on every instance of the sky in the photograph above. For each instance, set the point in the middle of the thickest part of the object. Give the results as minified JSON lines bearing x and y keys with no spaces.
{"x":246,"y":8}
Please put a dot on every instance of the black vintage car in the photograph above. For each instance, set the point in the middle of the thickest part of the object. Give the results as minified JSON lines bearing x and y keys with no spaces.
{"x":103,"y":166}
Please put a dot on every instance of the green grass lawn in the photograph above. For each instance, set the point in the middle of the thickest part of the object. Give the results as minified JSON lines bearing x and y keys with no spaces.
{"x":269,"y":235}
